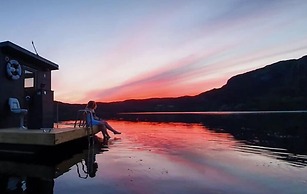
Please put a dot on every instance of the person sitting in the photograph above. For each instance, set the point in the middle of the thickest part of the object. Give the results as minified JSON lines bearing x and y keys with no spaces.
{"x":96,"y":121}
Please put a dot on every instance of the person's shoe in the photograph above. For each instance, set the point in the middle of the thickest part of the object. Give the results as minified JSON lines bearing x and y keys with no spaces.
{"x":117,"y":132}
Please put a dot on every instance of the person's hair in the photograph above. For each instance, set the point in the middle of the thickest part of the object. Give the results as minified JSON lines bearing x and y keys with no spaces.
{"x":91,"y":104}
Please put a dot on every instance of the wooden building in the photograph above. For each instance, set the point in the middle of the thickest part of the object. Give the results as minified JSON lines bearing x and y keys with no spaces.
{"x":27,"y":77}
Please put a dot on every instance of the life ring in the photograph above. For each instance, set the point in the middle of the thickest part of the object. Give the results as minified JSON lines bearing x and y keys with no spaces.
{"x":13,"y":69}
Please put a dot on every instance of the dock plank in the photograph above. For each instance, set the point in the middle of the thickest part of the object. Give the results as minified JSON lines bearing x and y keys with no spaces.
{"x":40,"y":137}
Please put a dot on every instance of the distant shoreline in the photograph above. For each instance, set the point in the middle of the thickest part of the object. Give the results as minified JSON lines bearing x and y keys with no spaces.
{"x":215,"y":112}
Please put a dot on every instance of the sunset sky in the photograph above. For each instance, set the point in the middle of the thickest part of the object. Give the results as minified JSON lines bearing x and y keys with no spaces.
{"x":113,"y":50}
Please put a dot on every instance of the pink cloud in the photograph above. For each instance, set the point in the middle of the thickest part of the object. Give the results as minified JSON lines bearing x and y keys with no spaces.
{"x":169,"y":81}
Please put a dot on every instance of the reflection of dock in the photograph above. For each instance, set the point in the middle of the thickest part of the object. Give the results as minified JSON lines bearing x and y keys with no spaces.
{"x":42,"y":171}
{"x":52,"y":162}
{"x":45,"y":137}
{"x":35,"y":172}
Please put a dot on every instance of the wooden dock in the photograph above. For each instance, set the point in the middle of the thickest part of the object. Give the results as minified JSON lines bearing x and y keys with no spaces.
{"x":43,"y":137}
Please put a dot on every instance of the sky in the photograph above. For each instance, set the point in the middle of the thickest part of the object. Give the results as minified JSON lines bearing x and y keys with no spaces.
{"x":114,"y":50}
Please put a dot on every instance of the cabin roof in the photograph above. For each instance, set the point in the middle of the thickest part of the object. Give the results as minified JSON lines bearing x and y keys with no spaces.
{"x":13,"y":49}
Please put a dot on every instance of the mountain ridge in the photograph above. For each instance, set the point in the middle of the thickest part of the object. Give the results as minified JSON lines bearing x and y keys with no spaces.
{"x":278,"y":86}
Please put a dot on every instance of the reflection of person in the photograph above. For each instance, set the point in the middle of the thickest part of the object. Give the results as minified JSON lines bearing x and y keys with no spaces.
{"x":90,"y":158}
{"x":96,"y":121}
{"x":92,"y":171}
{"x":90,"y":162}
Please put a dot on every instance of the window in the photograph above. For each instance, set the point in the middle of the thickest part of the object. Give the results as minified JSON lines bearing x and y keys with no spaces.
{"x":29,"y":79}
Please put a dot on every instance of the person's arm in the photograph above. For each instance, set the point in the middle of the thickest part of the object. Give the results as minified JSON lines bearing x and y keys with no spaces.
{"x":95,"y":116}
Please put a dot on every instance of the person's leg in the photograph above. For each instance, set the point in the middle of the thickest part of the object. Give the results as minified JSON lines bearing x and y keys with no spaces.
{"x":102,"y":128}
{"x":106,"y":124}
{"x":104,"y":132}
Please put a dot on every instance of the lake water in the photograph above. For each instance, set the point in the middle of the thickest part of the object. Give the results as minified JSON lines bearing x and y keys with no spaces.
{"x":177,"y":153}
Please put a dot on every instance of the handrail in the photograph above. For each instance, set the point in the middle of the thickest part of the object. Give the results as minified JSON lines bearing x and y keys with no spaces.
{"x":85,"y":122}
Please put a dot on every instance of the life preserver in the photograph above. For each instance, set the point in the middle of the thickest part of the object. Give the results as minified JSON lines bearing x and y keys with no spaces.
{"x":13,"y":69}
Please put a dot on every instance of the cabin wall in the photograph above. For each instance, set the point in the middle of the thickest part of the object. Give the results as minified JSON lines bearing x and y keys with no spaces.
{"x":40,"y":101}
{"x":9,"y":88}
{"x":37,"y":99}
{"x":41,"y":110}
{"x":43,"y":80}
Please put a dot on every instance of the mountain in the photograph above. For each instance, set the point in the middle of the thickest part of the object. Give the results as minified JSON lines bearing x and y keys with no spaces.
{"x":279,"y":86}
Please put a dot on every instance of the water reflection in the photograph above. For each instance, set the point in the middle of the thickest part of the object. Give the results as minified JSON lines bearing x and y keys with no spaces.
{"x":186,"y":153}
{"x":279,"y":135}
{"x":34,"y":173}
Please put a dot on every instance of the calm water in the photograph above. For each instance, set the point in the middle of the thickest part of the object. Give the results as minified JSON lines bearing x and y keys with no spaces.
{"x":176,"y":153}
